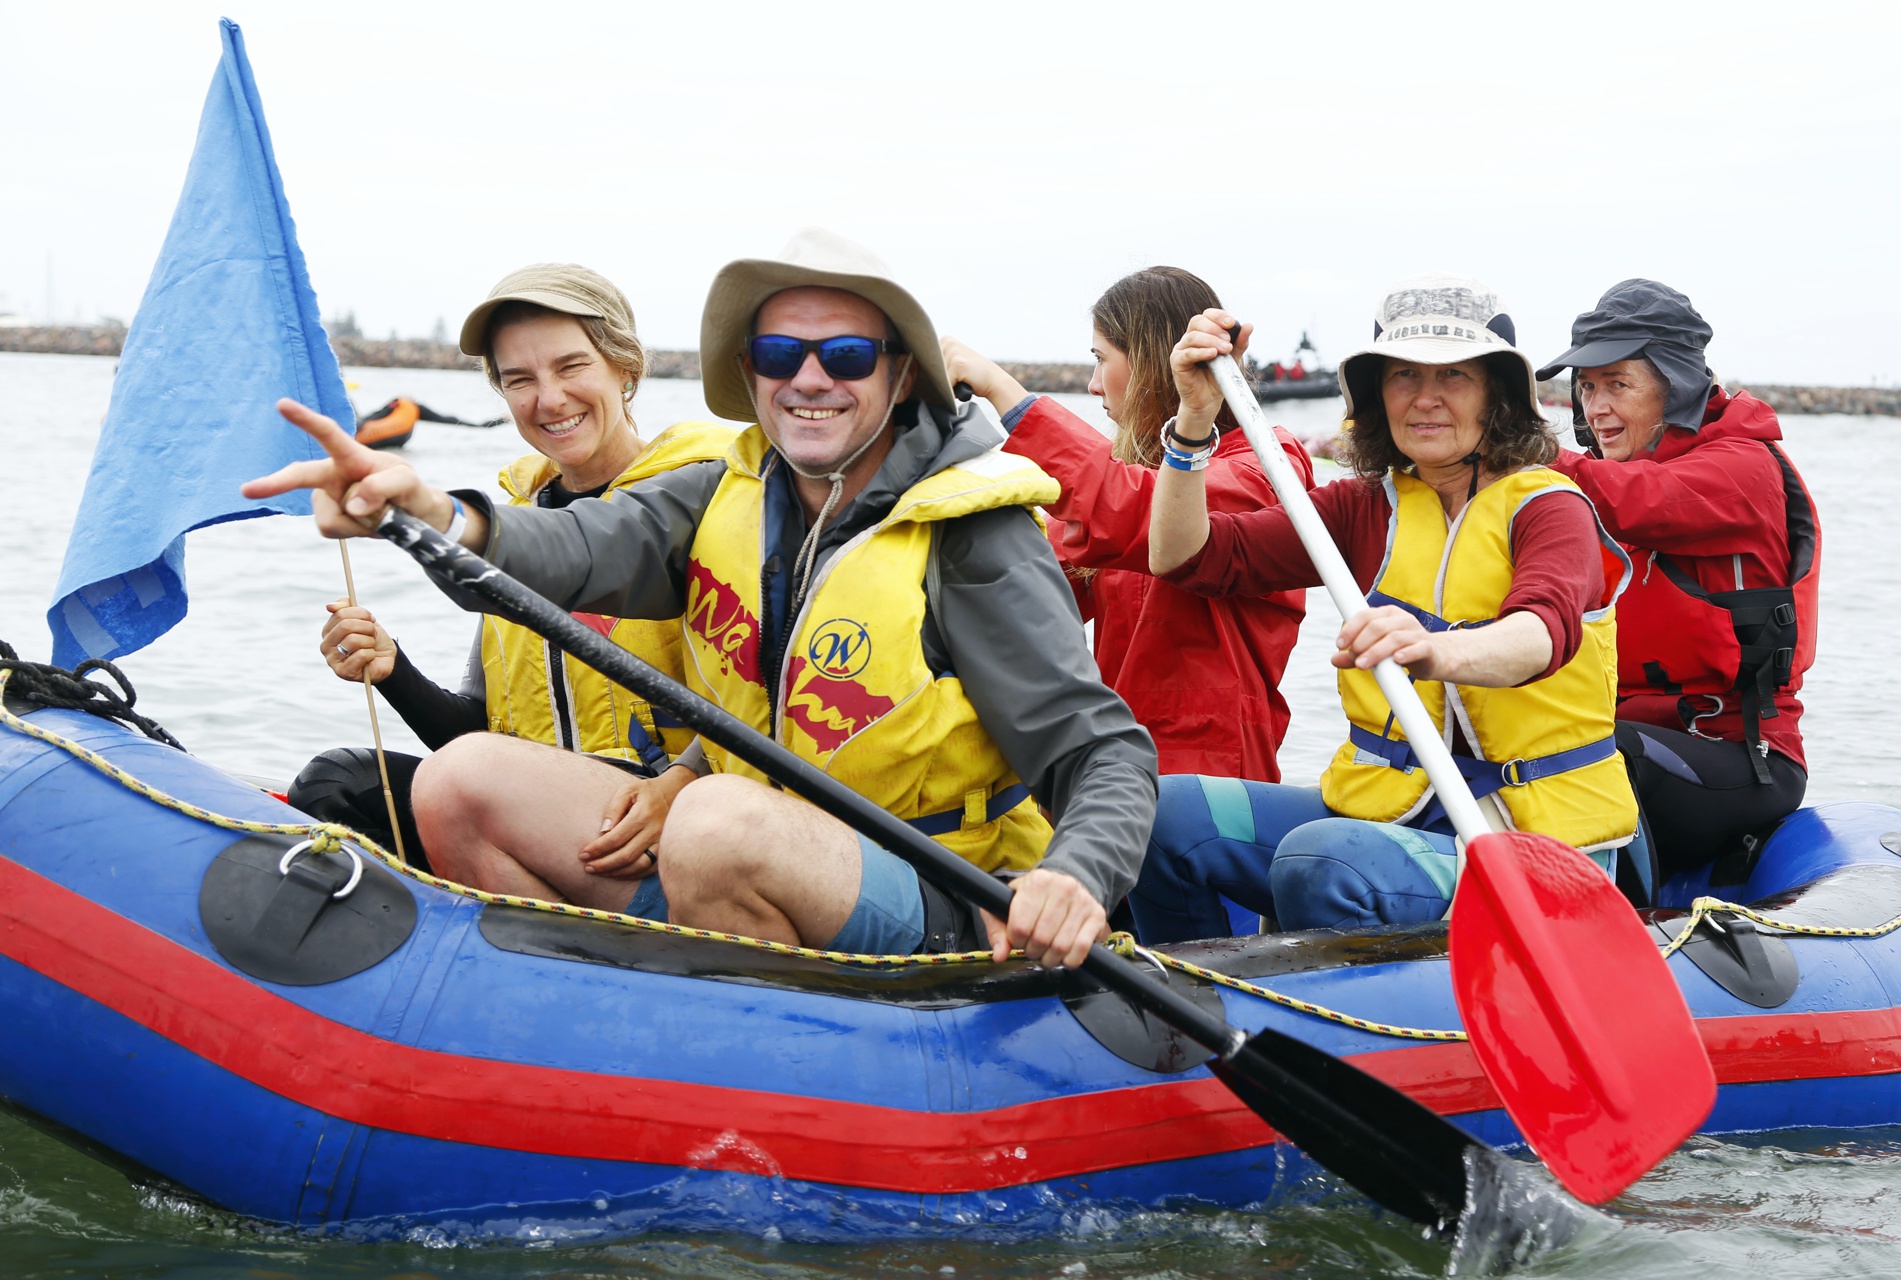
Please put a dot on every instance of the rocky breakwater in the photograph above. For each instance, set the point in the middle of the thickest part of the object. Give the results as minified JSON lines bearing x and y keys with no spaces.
{"x":1861,"y":401}
{"x":63,"y":340}
{"x":1072,"y":379}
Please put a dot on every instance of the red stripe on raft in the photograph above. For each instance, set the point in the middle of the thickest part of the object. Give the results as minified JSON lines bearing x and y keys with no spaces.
{"x":281,"y":1046}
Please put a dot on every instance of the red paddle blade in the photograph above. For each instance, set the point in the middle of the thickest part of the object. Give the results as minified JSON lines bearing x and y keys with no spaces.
{"x":1573,"y":1014}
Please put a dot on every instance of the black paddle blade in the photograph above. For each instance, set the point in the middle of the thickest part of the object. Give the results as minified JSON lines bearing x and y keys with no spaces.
{"x":1395,"y":1151}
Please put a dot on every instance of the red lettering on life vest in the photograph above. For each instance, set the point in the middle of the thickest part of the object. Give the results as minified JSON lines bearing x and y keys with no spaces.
{"x":714,"y":613}
{"x":596,"y":622}
{"x":826,"y":709}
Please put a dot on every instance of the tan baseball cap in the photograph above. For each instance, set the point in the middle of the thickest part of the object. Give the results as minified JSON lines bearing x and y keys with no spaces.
{"x":559,"y":286}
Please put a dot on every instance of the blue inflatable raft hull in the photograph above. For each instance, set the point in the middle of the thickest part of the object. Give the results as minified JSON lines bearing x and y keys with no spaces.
{"x":506,"y":1072}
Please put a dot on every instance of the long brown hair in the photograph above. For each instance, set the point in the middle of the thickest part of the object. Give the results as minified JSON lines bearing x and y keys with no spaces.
{"x":1143,"y":316}
{"x":1514,"y":434}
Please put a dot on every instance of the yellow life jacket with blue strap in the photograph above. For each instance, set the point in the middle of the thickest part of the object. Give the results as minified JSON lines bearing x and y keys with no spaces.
{"x":1546,"y":750}
{"x":854,"y":693}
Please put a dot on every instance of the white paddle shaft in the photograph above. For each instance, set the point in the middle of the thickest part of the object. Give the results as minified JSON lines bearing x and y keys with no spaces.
{"x":1414,"y":720}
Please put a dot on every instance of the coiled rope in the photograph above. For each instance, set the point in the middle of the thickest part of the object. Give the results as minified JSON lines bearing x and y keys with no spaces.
{"x":51,"y":686}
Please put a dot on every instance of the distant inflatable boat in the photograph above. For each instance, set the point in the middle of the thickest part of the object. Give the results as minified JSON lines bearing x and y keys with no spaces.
{"x":1318,"y":385}
{"x":1299,"y":378}
{"x":315,"y":1039}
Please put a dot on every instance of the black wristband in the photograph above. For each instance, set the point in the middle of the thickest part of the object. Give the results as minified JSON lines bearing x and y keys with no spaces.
{"x":1169,"y":432}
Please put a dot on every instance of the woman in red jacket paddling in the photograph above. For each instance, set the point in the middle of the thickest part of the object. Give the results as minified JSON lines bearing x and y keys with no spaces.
{"x":1202,"y":675}
{"x":1719,"y":622}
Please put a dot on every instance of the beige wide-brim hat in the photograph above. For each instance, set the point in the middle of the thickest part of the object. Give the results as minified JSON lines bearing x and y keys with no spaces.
{"x":1437,"y":319}
{"x":813,"y":257}
{"x":566,"y":287}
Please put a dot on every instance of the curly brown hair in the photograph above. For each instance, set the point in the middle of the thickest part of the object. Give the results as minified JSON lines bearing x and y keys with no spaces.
{"x":1514,"y":435}
{"x":1143,"y":315}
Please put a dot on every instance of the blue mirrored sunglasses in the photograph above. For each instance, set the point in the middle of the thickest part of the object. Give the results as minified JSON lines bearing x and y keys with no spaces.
{"x":846,"y":358}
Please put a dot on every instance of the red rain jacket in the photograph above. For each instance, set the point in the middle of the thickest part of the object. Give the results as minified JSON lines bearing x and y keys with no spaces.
{"x":1713,"y":505}
{"x":1202,"y":675}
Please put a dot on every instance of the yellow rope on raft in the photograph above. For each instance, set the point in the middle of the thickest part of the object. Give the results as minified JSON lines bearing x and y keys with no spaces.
{"x":1703,"y":908}
{"x":328,"y":836}
{"x":1124,"y":945}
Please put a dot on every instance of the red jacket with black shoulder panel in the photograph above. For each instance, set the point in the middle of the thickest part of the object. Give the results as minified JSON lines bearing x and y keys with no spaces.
{"x":1717,"y":511}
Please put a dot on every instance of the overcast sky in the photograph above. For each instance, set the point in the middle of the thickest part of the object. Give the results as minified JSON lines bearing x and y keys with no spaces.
{"x":1009,"y":160}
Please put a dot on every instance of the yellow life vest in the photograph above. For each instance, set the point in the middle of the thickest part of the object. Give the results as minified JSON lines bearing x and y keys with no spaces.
{"x":1554,"y":763}
{"x":568,"y":703}
{"x":854,"y":694}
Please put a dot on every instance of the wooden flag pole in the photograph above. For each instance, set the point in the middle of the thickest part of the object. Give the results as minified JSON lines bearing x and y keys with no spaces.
{"x":376,"y":732}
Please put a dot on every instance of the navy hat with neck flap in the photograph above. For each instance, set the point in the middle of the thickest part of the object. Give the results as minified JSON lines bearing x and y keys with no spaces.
{"x":1644,"y":318}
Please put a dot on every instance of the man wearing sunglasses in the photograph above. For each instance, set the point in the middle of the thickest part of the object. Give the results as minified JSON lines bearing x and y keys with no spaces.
{"x":862,"y":578}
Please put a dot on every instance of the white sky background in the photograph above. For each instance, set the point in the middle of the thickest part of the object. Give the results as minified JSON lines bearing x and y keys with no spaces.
{"x":1009,"y":160}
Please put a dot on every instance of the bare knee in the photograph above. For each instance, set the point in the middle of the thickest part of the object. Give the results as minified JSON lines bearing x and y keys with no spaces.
{"x":713,"y":828}
{"x":449,"y":780}
{"x":453,"y":790}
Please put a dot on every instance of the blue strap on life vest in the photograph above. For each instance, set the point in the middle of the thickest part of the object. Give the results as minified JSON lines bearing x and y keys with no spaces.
{"x":1486,"y":776}
{"x":651,"y":753}
{"x":1427,"y":618}
{"x":942,"y":824}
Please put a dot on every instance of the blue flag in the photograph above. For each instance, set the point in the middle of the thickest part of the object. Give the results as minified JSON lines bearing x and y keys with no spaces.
{"x":227,"y":326}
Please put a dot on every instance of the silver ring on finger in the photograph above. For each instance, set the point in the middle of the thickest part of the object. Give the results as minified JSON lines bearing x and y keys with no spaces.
{"x":342,"y":652}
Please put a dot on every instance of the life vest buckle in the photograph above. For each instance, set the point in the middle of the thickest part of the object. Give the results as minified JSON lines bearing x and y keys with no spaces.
{"x":1512,"y":771}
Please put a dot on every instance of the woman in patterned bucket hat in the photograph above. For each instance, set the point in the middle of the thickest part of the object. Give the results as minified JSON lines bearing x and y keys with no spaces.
{"x":1489,"y":579}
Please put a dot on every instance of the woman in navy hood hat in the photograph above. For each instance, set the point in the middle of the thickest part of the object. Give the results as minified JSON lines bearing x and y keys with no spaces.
{"x":1719,"y":622}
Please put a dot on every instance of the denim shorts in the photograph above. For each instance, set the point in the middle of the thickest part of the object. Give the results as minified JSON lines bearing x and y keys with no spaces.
{"x":888,"y":918}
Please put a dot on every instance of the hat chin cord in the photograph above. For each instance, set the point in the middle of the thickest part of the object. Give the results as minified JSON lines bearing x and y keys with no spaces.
{"x":808,"y":550}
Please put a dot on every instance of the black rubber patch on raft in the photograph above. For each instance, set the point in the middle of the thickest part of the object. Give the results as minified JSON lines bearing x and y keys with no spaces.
{"x":288,"y":926}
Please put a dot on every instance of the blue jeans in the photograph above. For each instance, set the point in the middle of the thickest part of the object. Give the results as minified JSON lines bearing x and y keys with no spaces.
{"x":1279,"y":851}
{"x":888,"y":918}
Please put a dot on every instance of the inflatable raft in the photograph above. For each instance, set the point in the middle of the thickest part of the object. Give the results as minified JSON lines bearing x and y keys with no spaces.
{"x":312,"y":1038}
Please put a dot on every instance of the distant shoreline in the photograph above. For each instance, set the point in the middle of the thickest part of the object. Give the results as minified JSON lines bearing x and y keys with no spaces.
{"x":420,"y":353}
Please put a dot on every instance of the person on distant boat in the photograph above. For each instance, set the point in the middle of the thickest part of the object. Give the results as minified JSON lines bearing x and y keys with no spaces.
{"x":558,"y":341}
{"x":1719,"y":625}
{"x":1489,"y":579}
{"x":1201,"y":674}
{"x":863,"y":579}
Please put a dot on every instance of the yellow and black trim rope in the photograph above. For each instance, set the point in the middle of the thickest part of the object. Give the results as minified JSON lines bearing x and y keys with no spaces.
{"x":327,"y":837}
{"x":1703,"y":908}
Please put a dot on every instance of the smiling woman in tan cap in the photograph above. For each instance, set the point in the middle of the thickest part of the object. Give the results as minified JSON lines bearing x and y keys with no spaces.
{"x":558,"y":341}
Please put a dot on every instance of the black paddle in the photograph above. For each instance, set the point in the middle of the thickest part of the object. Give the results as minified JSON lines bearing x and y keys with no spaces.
{"x":1396,"y":1151}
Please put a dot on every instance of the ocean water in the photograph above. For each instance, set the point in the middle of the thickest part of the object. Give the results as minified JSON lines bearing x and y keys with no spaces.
{"x":240,"y":683}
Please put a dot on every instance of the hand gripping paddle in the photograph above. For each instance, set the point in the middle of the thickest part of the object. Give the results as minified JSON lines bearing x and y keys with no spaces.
{"x":1571,"y":1009}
